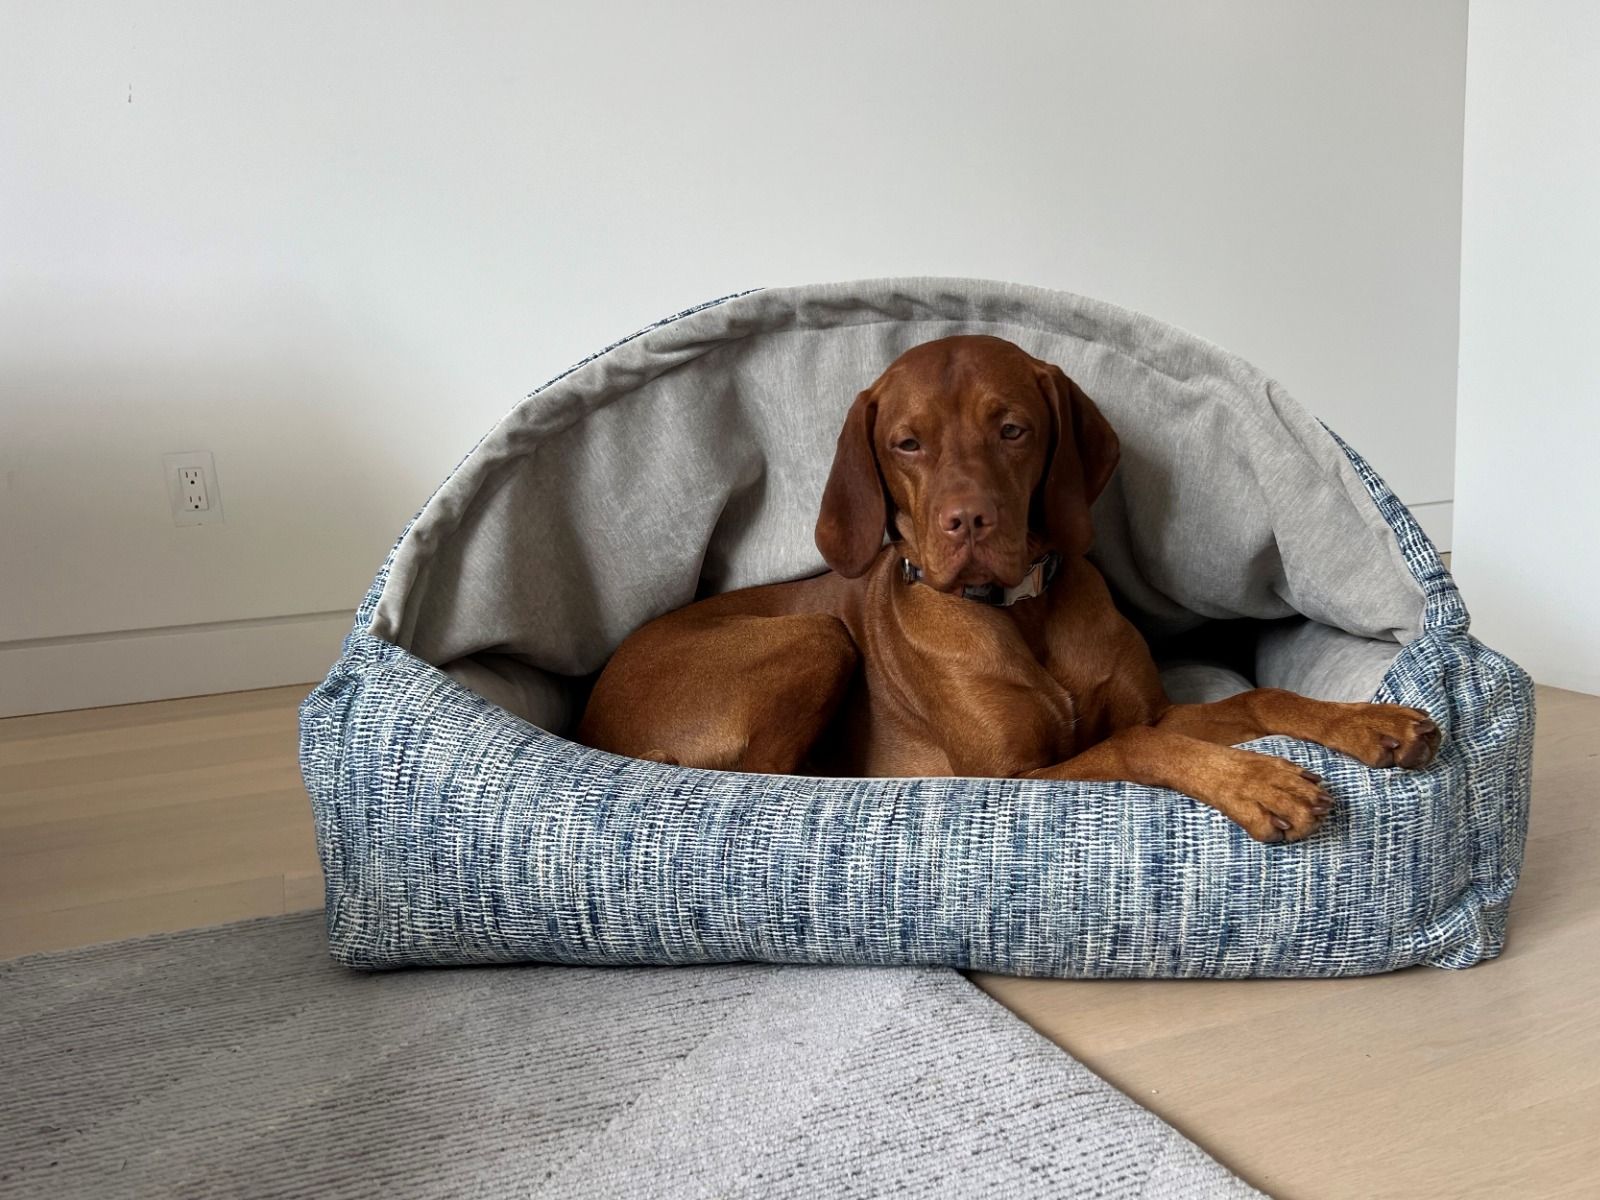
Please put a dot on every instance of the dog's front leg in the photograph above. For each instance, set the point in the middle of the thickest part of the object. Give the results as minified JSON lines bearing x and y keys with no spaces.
{"x":1380,"y":735}
{"x":1272,"y":799}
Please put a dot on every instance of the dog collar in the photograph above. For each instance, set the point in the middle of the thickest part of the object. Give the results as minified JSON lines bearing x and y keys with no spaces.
{"x":1040,"y":574}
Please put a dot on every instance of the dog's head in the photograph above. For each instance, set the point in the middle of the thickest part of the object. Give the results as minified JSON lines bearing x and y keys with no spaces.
{"x":975,"y":455}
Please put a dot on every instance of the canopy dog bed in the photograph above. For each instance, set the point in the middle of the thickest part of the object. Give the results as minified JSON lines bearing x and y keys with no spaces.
{"x":457,"y":825}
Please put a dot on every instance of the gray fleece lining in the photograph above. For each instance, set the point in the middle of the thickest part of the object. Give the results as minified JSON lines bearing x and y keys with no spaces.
{"x":690,"y":460}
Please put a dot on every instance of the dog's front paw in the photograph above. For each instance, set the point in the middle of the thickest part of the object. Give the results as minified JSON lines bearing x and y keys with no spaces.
{"x":1389,"y":735}
{"x":1273,"y":800}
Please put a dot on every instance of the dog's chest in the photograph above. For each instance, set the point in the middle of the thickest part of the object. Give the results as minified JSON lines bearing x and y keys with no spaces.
{"x":949,"y":686}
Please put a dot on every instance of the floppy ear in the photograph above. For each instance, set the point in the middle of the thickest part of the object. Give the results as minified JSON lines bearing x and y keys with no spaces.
{"x":855,"y":510}
{"x":1084,"y":454}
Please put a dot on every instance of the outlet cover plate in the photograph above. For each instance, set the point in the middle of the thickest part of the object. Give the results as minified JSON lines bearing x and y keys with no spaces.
{"x":182,"y":514}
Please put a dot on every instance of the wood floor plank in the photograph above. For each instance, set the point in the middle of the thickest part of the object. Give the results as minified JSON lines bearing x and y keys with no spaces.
{"x":74,"y":769}
{"x":302,"y":890}
{"x":171,"y":732}
{"x":109,"y":797}
{"x":132,"y":916}
{"x":123,"y":716}
{"x":155,"y":863}
{"x":188,"y":813}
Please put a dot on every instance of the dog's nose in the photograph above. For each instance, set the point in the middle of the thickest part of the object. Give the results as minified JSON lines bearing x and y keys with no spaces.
{"x":968,"y":516}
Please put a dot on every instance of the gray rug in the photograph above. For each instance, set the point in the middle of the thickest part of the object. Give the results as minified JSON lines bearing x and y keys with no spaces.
{"x":239,"y":1061}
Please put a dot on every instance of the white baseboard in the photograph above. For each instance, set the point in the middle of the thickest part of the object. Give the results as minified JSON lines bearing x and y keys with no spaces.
{"x":133,"y":666}
{"x":1436,"y":519}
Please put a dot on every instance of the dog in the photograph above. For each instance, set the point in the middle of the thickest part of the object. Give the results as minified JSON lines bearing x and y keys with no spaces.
{"x":977,"y":640}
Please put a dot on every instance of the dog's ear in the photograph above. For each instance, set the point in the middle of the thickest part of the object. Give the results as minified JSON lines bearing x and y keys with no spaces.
{"x":1083,"y":454}
{"x":855,"y":508}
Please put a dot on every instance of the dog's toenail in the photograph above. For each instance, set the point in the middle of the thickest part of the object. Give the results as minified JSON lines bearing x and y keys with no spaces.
{"x":1311,"y":775}
{"x":1388,"y":742}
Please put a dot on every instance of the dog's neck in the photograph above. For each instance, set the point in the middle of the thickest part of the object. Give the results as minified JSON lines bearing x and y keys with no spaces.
{"x":1041,"y":572}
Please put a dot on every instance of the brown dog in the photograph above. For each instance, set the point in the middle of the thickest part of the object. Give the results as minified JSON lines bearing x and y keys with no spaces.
{"x":979,"y":641}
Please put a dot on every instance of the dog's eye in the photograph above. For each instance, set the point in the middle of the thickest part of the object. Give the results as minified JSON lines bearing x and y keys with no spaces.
{"x":1011,"y":432}
{"x":908,"y":445}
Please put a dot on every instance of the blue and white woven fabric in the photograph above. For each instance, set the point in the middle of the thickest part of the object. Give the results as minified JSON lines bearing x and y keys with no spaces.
{"x":456,"y":825}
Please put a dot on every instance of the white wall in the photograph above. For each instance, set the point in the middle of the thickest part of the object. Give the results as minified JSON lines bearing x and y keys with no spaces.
{"x":332,"y":242}
{"x":1527,"y":549}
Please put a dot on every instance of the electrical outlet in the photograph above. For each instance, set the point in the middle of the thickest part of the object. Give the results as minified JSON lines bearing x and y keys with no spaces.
{"x":192,"y":488}
{"x":192,"y":480}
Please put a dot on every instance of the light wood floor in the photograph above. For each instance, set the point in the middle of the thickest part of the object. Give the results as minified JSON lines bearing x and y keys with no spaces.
{"x":1424,"y":1083}
{"x":150,"y":817}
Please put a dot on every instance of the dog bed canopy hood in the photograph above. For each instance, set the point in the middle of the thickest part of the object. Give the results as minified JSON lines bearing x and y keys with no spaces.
{"x":457,"y":824}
